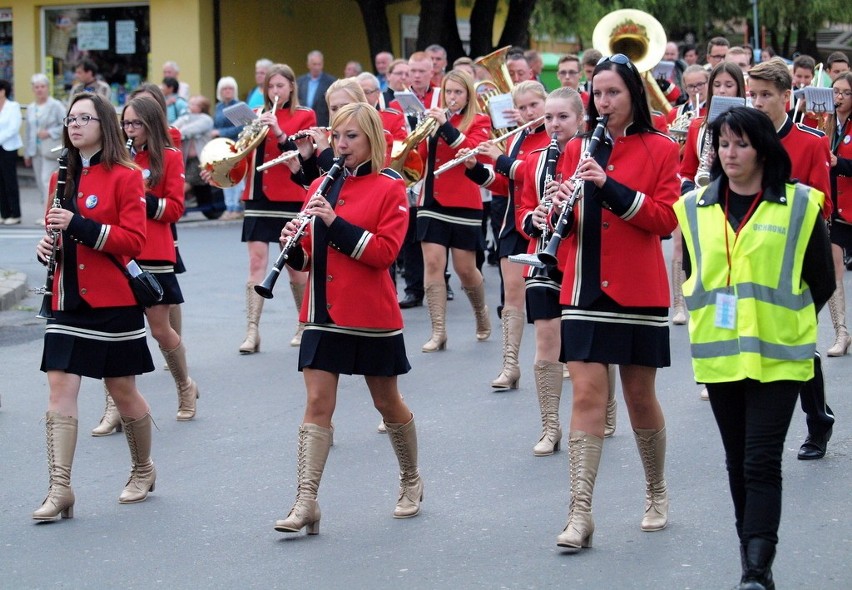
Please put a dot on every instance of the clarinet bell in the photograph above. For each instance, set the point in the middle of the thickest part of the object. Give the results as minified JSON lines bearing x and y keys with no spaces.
{"x":46,"y":311}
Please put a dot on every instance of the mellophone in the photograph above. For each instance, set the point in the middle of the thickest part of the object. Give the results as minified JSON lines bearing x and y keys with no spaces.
{"x":477,"y":150}
{"x":265,"y":288}
{"x":46,"y":311}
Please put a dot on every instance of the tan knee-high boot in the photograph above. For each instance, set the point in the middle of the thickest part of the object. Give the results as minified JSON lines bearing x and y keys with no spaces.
{"x":403,"y":438}
{"x":110,"y":421}
{"x":187,"y":390}
{"x":611,"y":405}
{"x":298,"y":295}
{"x":837,"y":308}
{"x":176,"y":322}
{"x":652,"y":448}
{"x":480,"y":310}
{"x":61,"y":434}
{"x":548,"y":387}
{"x":584,"y":452}
{"x":143,"y":476}
{"x":254,"y":307}
{"x":314,"y":445}
{"x":513,"y":330}
{"x":436,"y":303}
{"x":679,"y":316}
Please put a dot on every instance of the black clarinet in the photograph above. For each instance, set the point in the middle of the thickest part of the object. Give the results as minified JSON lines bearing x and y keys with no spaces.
{"x":548,"y":256}
{"x":265,"y":288}
{"x":46,"y":311}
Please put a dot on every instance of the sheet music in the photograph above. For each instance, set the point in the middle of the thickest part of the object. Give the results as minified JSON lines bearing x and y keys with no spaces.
{"x":239,"y":114}
{"x":409,"y":102}
{"x":721,"y":104}
{"x":817,"y":100}
{"x":496,"y":105}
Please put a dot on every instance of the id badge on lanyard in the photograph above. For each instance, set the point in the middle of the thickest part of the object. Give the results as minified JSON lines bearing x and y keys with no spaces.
{"x":726,"y":311}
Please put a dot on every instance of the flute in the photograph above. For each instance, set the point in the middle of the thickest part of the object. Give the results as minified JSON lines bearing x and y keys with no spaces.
{"x":478,"y":150}
{"x":279,"y":160}
{"x":265,"y":288}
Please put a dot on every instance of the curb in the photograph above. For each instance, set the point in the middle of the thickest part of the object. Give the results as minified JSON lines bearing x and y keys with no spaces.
{"x":13,"y":288}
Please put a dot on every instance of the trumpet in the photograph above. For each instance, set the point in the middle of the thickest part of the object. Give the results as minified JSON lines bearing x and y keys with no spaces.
{"x":478,"y":150}
{"x":265,"y":288}
{"x":46,"y":311}
{"x":552,"y":157}
{"x":548,"y":256}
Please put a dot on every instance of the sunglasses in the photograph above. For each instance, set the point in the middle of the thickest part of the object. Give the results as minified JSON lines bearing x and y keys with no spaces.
{"x":618,"y":58}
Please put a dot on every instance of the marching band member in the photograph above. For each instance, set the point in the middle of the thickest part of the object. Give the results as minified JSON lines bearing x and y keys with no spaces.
{"x":272,"y":197}
{"x":613,"y":245}
{"x":726,"y":79}
{"x":393,"y":121}
{"x":810,"y":156}
{"x":98,"y":329}
{"x":695,"y":80}
{"x":504,"y":177}
{"x":839,"y":131}
{"x":355,"y":233}
{"x":450,"y":208}
{"x":145,"y":124}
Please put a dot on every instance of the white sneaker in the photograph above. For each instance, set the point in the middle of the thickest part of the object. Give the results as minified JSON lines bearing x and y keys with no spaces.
{"x":704,"y":395}
{"x":12,"y":221}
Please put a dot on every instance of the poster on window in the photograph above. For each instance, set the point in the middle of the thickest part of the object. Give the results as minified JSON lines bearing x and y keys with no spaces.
{"x":125,"y":36}
{"x":93,"y":36}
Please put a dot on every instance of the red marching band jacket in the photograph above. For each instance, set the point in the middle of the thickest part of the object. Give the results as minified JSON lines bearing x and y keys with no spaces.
{"x":453,"y":188}
{"x":842,"y":173}
{"x":810,"y":154}
{"x":110,"y":219}
{"x":364,"y":240}
{"x":632,"y":268}
{"x":277,"y":182}
{"x":164,"y":204}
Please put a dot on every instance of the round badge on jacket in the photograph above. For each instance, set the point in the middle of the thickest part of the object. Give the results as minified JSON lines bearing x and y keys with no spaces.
{"x":91,"y":201}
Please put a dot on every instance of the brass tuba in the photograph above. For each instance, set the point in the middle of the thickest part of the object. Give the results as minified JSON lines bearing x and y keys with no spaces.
{"x":225,"y":158}
{"x":500,"y":82}
{"x":639,"y":36}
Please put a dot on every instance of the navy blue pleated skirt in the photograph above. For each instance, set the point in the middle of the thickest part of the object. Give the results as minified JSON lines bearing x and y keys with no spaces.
{"x":352,"y":351}
{"x":97,"y":343}
{"x":264,"y":219}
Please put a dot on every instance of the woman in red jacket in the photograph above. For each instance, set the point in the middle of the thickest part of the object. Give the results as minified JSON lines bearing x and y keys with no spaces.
{"x":98,"y":329}
{"x":450,"y":207}
{"x":839,"y":131}
{"x":271,"y":197}
{"x":355,"y":234}
{"x":146,"y":127}
{"x":615,"y":287}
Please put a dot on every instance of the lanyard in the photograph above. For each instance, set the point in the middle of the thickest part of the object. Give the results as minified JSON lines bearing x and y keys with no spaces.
{"x":745,"y":219}
{"x":838,"y":136}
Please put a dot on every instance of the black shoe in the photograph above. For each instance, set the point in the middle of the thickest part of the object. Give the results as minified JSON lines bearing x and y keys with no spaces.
{"x":410,"y":301}
{"x":450,"y":294}
{"x":814,"y":447}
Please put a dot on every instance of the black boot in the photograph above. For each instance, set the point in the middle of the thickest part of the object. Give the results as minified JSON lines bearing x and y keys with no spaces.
{"x":757,"y":559}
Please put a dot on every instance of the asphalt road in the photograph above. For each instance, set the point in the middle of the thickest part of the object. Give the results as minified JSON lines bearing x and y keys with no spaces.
{"x":491,"y":511}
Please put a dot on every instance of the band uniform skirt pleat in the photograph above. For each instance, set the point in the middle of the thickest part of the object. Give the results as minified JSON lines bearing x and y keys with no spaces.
{"x":264,"y":219}
{"x":97,"y":343}
{"x":348,"y":351}
{"x":609,"y":333}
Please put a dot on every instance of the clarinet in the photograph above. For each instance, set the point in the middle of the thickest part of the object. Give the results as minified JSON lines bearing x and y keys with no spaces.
{"x":46,"y":311}
{"x":549,"y":255}
{"x":265,"y":288}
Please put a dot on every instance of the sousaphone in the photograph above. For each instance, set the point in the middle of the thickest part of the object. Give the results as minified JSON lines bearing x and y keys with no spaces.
{"x":639,"y":36}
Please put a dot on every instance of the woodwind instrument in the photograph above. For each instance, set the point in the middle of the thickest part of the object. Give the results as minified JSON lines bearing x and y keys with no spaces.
{"x":46,"y":311}
{"x":478,"y":150}
{"x":265,"y":288}
{"x":548,"y":257}
{"x":552,"y":157}
{"x":279,"y":160}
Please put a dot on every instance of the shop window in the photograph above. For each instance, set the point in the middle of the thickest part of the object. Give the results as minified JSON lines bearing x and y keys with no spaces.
{"x":7,"y":69}
{"x":116,"y":38}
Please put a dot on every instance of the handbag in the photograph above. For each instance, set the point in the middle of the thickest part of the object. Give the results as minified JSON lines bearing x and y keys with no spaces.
{"x":146,"y":288}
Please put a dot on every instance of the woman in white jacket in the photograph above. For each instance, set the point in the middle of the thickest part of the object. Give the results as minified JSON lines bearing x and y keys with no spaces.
{"x":10,"y":143}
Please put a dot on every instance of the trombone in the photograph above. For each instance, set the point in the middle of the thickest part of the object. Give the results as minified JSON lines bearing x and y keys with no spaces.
{"x":477,"y":150}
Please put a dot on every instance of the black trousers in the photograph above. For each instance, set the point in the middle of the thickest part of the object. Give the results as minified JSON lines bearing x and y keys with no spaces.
{"x":820,"y":418}
{"x":753,"y":419}
{"x":412,"y":258}
{"x":10,"y":197}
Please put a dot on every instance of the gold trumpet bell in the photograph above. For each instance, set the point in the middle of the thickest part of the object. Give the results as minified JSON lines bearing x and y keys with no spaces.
{"x":635,"y":33}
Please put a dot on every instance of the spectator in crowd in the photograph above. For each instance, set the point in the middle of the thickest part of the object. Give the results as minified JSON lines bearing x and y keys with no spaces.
{"x":352,"y":69}
{"x":43,"y":133}
{"x":438,"y":55}
{"x":10,"y":143}
{"x":226,"y":96}
{"x":382,"y":62}
{"x":397,"y":79}
{"x":690,"y":55}
{"x":255,"y":97}
{"x":171,"y":70}
{"x":176,"y":105}
{"x":86,"y":74}
{"x":313,"y":85}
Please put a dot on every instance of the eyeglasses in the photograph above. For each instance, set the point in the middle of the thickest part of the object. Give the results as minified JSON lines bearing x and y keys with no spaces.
{"x":711,"y":56}
{"x":373,"y":91}
{"x":80,"y":121}
{"x":568,"y":73}
{"x":618,"y":58}
{"x":696,"y":87}
{"x":136,"y":124}
{"x":843,"y":93}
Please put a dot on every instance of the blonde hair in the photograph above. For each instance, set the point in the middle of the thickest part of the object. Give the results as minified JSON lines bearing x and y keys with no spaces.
{"x":533,"y":86}
{"x":348,"y":85}
{"x":471,"y":109}
{"x":370,"y":123}
{"x":575,"y":103}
